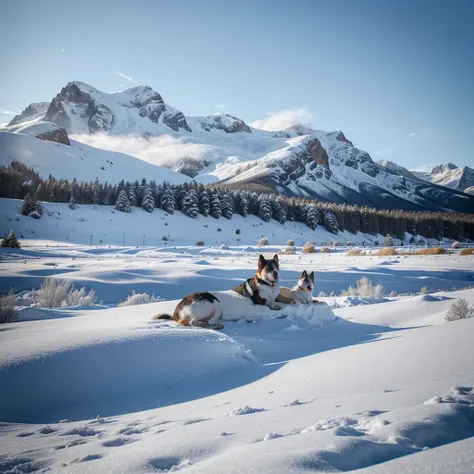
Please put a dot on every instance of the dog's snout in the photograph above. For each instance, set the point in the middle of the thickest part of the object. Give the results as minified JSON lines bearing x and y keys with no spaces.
{"x":309,"y":288}
{"x":275,"y":274}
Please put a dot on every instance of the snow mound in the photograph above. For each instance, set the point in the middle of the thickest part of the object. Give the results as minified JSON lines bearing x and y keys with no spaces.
{"x":133,"y":369}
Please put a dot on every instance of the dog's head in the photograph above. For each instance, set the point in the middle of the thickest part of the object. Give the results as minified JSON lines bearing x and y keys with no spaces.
{"x":269,"y":270}
{"x":306,"y":282}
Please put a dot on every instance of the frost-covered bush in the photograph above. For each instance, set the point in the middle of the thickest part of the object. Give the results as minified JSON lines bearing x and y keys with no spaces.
{"x":355,"y":253}
{"x":8,"y":313}
{"x":200,"y":243}
{"x":349,"y":243}
{"x":140,"y":298}
{"x":455,"y":245}
{"x":262,"y":242}
{"x":364,"y":287}
{"x":55,"y":293}
{"x":325,"y":250}
{"x":290,"y":243}
{"x":225,"y":246}
{"x":424,"y":290}
{"x":321,"y":294}
{"x":459,"y":310}
{"x":289,"y":250}
{"x":388,"y":241}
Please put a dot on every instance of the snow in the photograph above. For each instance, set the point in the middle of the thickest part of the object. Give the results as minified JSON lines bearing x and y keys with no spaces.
{"x":80,"y":161}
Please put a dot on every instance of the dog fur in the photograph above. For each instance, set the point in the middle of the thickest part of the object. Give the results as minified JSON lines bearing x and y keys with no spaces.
{"x":202,"y":310}
{"x":264,"y":287}
{"x":302,"y":292}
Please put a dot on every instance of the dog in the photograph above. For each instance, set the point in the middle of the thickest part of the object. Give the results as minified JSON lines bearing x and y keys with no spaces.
{"x":302,"y":292}
{"x":264,"y":287}
{"x":201,"y":310}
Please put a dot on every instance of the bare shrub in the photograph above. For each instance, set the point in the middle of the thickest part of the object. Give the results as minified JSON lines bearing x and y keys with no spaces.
{"x":432,"y":251}
{"x":364,"y":287}
{"x":55,"y":293}
{"x":262,"y":242}
{"x":309,"y":248}
{"x":321,"y":294}
{"x":8,"y":313}
{"x":424,"y":290}
{"x":460,"y":309}
{"x":336,"y":243}
{"x":387,"y":251}
{"x":467,"y":252}
{"x":139,"y":298}
{"x":325,"y":250}
{"x":393,"y":293}
{"x":225,"y":246}
{"x":455,"y":245}
{"x":355,"y":253}
{"x":290,"y":243}
{"x":200,"y":243}
{"x":349,"y":243}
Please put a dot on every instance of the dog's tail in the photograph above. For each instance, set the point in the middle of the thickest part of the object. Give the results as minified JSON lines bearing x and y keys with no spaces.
{"x":161,"y":316}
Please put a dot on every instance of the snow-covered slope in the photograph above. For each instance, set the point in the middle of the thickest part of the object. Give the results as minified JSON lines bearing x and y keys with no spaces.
{"x":78,"y":160}
{"x":33,"y":113}
{"x":298,"y":161}
{"x":451,"y":176}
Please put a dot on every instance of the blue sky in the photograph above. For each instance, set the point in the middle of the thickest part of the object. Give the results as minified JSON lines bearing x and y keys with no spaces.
{"x":396,"y":76}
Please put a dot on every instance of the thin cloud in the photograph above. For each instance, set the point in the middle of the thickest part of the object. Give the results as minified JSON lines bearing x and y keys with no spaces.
{"x":383,"y":152}
{"x":285,"y":119}
{"x":221,"y":106}
{"x":412,"y":134}
{"x":8,"y":112}
{"x":124,"y":76}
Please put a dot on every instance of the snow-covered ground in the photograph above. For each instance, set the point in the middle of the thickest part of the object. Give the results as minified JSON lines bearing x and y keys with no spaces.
{"x":380,"y":387}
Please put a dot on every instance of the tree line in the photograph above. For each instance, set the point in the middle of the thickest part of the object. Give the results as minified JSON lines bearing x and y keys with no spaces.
{"x":192,"y":199}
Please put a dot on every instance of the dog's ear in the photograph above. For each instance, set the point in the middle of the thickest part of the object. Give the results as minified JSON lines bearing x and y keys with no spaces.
{"x":311,"y":275}
{"x":275,"y":259}
{"x":261,"y":261}
{"x":303,"y":275}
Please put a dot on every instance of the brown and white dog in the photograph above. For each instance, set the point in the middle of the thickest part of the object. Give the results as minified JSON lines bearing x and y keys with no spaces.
{"x":302,"y":292}
{"x":202,"y":310}
{"x":264,"y":287}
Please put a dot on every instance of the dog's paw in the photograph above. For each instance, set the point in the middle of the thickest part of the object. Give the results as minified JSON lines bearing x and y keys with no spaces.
{"x":275,"y":306}
{"x":217,"y":327}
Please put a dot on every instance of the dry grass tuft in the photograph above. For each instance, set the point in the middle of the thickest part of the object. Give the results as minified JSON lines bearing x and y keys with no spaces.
{"x":325,"y":250}
{"x":467,"y":252}
{"x":355,"y":253}
{"x":387,"y":252}
{"x":309,"y":248}
{"x":431,"y":251}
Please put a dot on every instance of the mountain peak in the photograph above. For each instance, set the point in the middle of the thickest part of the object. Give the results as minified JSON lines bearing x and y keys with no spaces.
{"x":443,"y":168}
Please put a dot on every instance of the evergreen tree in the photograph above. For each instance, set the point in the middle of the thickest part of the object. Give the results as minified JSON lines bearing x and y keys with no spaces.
{"x":215,"y":206}
{"x":312,"y":216}
{"x":32,"y":207}
{"x":264,"y":208}
{"x":132,"y":199}
{"x":10,"y":241}
{"x":388,"y":241}
{"x":204,"y":206}
{"x":278,"y":210}
{"x":26,"y":207}
{"x":72,"y":202}
{"x":227,"y":206}
{"x":122,"y":203}
{"x":242,"y":203}
{"x":148,"y":202}
{"x":96,"y":195}
{"x":330,"y":222}
{"x":190,"y":206}
{"x":168,"y":202}
{"x":41,"y":192}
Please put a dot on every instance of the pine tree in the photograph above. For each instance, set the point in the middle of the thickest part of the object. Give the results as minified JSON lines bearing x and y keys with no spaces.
{"x":190,"y":205}
{"x":26,"y":207}
{"x":96,"y":195}
{"x":388,"y":241}
{"x":215,"y":206}
{"x":330,"y":222}
{"x":264,"y":209}
{"x":148,"y":202}
{"x":72,"y":202}
{"x":132,"y":198}
{"x":227,"y":206}
{"x":168,"y":202}
{"x":10,"y":241}
{"x":312,"y":217}
{"x":204,"y":206}
{"x":122,"y":203}
{"x":278,"y":210}
{"x":242,"y":203}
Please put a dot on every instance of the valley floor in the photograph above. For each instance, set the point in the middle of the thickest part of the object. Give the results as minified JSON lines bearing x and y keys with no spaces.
{"x":379,"y":384}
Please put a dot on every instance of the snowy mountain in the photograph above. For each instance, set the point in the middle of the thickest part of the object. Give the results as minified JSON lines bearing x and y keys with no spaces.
{"x":298,"y":161}
{"x":78,"y":160}
{"x":34,"y":112}
{"x":451,"y":176}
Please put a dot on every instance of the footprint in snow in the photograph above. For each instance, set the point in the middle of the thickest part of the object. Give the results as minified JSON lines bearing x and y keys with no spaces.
{"x":246,"y":410}
{"x":114,"y":443}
